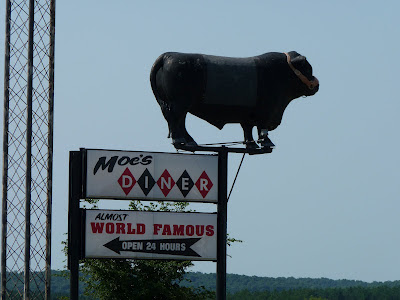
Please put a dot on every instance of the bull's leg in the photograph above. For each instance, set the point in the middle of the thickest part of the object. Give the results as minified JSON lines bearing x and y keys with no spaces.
{"x":178,"y":131}
{"x":176,"y":124}
{"x":263,"y":138}
{"x":248,"y":136}
{"x":189,"y":140}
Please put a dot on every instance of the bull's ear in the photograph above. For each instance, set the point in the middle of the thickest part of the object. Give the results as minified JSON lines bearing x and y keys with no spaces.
{"x":299,"y":61}
{"x":293,"y":54}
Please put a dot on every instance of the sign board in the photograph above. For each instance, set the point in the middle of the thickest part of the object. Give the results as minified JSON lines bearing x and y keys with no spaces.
{"x":113,"y":174}
{"x":150,"y":235}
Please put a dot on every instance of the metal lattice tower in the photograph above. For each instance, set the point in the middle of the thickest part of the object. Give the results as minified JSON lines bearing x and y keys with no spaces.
{"x":27,"y":149}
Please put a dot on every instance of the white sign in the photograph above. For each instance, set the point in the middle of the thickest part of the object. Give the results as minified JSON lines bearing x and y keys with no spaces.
{"x":151,"y":176}
{"x":150,"y":235}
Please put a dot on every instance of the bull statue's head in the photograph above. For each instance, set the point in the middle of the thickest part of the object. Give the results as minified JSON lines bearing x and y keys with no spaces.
{"x":303,"y":70}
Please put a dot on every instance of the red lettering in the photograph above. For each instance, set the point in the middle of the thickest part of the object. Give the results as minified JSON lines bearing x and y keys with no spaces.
{"x":179,"y":229}
{"x":141,"y":228}
{"x":110,"y":228}
{"x":120,"y":228}
{"x":167,"y":230}
{"x":97,"y":227}
{"x":199,"y":230}
{"x":210,"y":230}
{"x":189,"y":230}
{"x":130,"y":229}
{"x":157,"y":228}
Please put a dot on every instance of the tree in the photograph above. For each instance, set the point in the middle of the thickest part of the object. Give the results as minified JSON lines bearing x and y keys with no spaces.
{"x":140,"y":279}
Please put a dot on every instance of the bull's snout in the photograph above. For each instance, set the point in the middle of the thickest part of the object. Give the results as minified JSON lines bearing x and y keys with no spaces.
{"x":314,"y":86}
{"x":315,"y":82}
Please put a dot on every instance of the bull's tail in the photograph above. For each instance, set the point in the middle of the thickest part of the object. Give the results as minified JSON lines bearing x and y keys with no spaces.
{"x":165,"y":107}
{"x":158,"y":64}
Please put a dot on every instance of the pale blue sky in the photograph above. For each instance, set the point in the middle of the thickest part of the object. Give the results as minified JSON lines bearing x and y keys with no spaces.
{"x":325,"y":203}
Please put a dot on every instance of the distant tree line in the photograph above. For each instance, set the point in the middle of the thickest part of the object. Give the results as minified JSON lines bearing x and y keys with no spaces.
{"x":252,"y":287}
{"x":236,"y":283}
{"x":350,"y":293}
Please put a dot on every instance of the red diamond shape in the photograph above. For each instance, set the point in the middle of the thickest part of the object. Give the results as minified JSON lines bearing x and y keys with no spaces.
{"x":204,"y":184}
{"x":127,"y":181}
{"x":165,"y":183}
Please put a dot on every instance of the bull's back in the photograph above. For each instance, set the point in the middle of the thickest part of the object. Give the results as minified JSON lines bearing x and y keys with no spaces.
{"x":230,"y":81}
{"x":180,"y":77}
{"x":212,"y":79}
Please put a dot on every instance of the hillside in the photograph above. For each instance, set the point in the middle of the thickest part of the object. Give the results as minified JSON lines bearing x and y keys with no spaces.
{"x":238,"y":283}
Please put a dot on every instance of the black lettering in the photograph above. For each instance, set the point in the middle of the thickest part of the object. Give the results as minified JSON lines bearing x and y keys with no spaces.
{"x":111,"y":217}
{"x":134,"y":161}
{"x":103,"y":164}
{"x":147,"y":160}
{"x":108,"y":217}
{"x":124,"y":160}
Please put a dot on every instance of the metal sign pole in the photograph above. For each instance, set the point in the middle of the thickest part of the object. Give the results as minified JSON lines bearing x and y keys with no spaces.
{"x":74,"y":221}
{"x":222,"y":222}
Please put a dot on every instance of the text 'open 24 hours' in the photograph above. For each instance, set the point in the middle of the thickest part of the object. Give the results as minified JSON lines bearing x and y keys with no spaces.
{"x":149,"y":175}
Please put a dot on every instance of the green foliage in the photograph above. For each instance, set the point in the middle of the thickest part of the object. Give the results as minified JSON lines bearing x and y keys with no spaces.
{"x":159,"y":206}
{"x":231,"y":240}
{"x":351,"y":293}
{"x":239,"y":283}
{"x":138,"y":279}
{"x":328,"y":289}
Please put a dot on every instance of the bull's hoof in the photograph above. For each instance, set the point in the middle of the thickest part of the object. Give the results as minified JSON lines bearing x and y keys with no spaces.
{"x":191,"y":144}
{"x":251,"y":145}
{"x":179,"y":142}
{"x":266,"y":143}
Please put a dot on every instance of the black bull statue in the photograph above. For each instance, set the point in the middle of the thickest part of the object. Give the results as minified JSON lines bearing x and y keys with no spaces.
{"x":252,"y":91}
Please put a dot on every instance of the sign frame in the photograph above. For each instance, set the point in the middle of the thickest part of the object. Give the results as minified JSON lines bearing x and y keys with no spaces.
{"x":213,"y":239}
{"x":76,"y":180}
{"x":212,"y":197}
